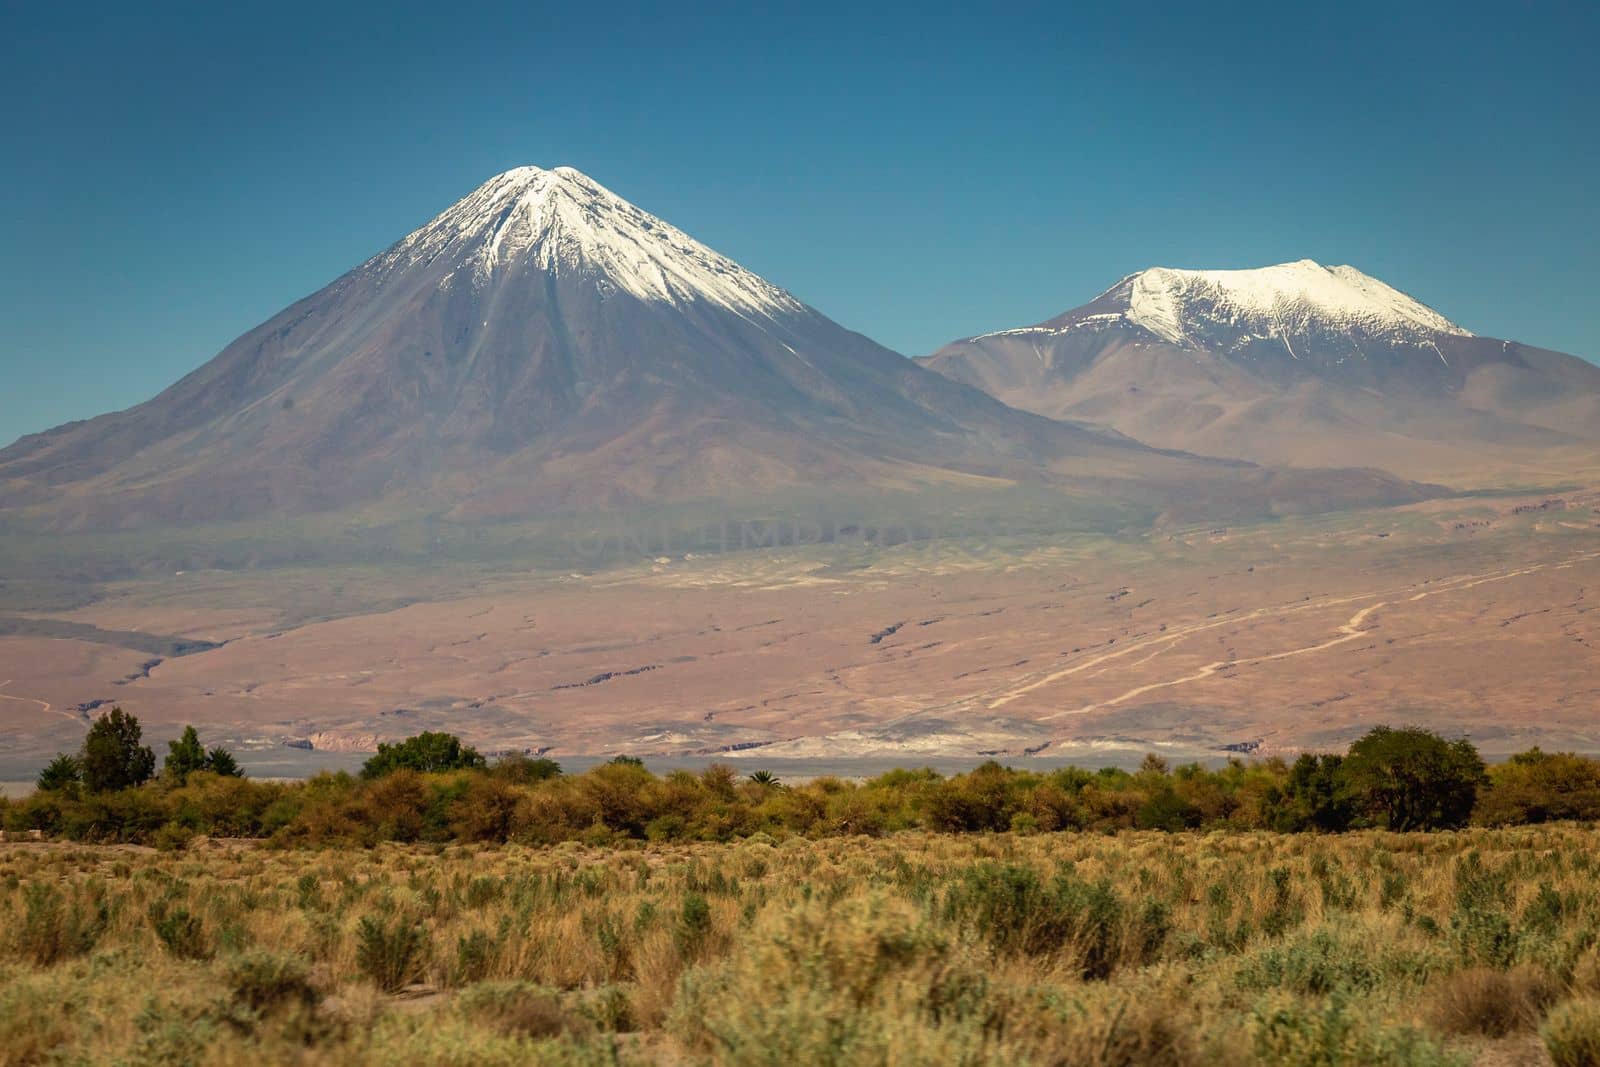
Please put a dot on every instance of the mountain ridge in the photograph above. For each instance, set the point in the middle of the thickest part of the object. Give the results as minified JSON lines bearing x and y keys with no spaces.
{"x":1295,"y":363}
{"x":1303,"y":292}
{"x":543,"y":345}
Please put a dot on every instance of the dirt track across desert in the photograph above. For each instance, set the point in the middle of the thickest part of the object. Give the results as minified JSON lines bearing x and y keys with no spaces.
{"x":1272,"y":637}
{"x":1348,"y":631}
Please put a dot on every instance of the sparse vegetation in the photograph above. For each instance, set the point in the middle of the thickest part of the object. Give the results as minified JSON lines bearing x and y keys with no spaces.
{"x":1140,"y":947}
{"x":1257,"y":913}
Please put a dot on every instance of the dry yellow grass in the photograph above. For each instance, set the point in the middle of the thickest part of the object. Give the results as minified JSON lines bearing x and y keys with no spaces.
{"x":1139,"y":948}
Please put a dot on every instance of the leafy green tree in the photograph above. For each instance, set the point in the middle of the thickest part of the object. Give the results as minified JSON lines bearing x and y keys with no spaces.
{"x":525,"y":770}
{"x":1314,"y":796}
{"x":1537,"y":786}
{"x":184,"y":756}
{"x":112,"y":757}
{"x":220,"y":761}
{"x":61,"y":773}
{"x":1164,"y":809}
{"x":1413,"y":779}
{"x":187,"y":755}
{"x":1153,"y":764}
{"x":426,"y":752}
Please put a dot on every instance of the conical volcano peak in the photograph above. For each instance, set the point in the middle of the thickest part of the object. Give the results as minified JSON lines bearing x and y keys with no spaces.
{"x":532,"y":183}
{"x":565,"y":223}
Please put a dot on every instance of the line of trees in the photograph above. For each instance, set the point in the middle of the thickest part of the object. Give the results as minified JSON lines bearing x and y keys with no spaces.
{"x":434,"y":788}
{"x":113,"y":758}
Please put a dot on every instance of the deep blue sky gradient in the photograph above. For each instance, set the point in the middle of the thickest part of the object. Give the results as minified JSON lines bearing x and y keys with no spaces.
{"x":174,"y":176}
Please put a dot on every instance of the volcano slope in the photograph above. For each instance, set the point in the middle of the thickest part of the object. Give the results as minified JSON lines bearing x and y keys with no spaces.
{"x":543,"y":346}
{"x":1303,"y":364}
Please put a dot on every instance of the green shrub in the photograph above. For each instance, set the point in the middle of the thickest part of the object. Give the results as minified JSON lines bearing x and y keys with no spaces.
{"x":36,"y":1025}
{"x":54,"y":929}
{"x":1536,"y":787}
{"x":263,"y":981}
{"x":1544,"y":913}
{"x":694,"y":925}
{"x":172,"y":837}
{"x":609,"y":1009}
{"x":520,"y":1009}
{"x":1317,"y":965}
{"x":308,"y":892}
{"x":1314,"y":797}
{"x":1480,"y":924}
{"x":476,"y":955}
{"x":1017,"y":912}
{"x":392,"y":954}
{"x":1283,"y":908}
{"x":1164,"y":809}
{"x":129,"y":815}
{"x":183,"y":934}
{"x":1329,"y":1035}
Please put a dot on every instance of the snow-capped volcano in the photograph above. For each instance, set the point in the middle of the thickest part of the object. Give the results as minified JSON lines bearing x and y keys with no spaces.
{"x":544,"y":344}
{"x":1282,"y":300}
{"x":1295,"y":362}
{"x":1302,"y":301}
{"x":568,"y":224}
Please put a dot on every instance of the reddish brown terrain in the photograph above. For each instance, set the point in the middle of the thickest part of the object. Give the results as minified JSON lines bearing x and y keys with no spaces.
{"x":1471,"y":617}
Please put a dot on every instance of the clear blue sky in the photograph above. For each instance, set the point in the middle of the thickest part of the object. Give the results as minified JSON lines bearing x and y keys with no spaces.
{"x":173,"y":178}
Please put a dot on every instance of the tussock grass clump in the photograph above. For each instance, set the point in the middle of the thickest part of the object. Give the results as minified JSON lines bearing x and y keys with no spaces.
{"x":1572,"y":1033}
{"x":392,"y":953}
{"x":56,"y":927}
{"x":182,"y":933}
{"x":1481,"y":1000}
{"x":1337,"y":1034}
{"x":34,"y":1022}
{"x":521,"y":1009}
{"x":1142,"y":1034}
{"x":266,"y":981}
{"x":1315,"y":965}
{"x":1018,"y":911}
{"x":823,"y":984}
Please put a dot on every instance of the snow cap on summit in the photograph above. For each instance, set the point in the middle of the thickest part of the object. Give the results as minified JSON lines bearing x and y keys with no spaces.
{"x":1287,"y":297}
{"x":565,"y":222}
